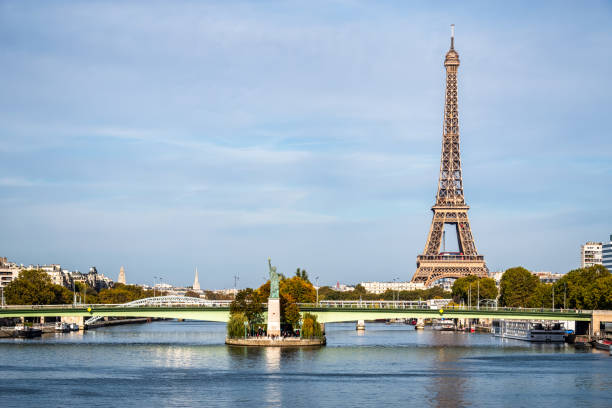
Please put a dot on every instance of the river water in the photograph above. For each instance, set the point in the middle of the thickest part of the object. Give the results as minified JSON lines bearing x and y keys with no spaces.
{"x":177,"y":364}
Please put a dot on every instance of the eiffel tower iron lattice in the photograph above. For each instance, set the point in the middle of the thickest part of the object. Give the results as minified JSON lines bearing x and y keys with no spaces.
{"x":450,"y":207}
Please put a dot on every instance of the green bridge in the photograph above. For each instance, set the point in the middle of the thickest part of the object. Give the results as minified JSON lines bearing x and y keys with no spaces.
{"x":329,"y":312}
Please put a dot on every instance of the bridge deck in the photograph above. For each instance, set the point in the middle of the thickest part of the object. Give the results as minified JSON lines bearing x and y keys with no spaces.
{"x":325,"y":314}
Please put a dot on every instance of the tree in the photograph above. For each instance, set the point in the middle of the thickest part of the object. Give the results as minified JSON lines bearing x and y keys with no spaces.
{"x":518,"y":288}
{"x":311,"y":327}
{"x":235,"y":325}
{"x":121,"y":293}
{"x":63,"y":296}
{"x":249,"y":303}
{"x":481,"y":288}
{"x":290,"y":311}
{"x":301,"y":290}
{"x":191,"y":293}
{"x":301,"y":273}
{"x":600,"y":294}
{"x":578,"y":285}
{"x":32,"y":287}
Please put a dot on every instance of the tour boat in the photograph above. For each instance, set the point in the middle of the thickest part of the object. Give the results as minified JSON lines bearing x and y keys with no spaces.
{"x":27,"y":332}
{"x":546,"y":332}
{"x":62,"y":327}
{"x":603,"y":345}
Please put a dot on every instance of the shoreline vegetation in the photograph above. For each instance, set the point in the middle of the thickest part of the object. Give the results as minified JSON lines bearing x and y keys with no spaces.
{"x":583,"y":288}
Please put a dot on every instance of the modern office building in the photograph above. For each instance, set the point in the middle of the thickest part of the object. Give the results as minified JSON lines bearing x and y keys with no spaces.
{"x":590,"y":254}
{"x":606,"y":254}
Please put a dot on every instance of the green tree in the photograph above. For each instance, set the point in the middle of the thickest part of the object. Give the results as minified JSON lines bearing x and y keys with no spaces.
{"x":311,"y":327}
{"x":63,"y":296}
{"x":518,"y":288}
{"x":481,"y":288}
{"x":542,"y":296}
{"x":235,"y":325}
{"x":249,"y":303}
{"x":32,"y":287}
{"x":599,"y":296}
{"x":301,"y":273}
{"x":578,"y":287}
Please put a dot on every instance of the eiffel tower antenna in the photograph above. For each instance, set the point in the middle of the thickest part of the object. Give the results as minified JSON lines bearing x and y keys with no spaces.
{"x":450,"y":207}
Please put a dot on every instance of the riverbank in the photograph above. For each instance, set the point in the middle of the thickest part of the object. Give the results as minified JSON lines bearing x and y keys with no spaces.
{"x":276,"y":342}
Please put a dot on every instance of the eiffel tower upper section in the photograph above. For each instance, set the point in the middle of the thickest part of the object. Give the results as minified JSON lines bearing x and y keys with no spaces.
{"x":450,"y":184}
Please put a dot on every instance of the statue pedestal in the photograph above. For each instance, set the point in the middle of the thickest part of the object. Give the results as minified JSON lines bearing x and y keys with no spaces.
{"x":274,"y":326}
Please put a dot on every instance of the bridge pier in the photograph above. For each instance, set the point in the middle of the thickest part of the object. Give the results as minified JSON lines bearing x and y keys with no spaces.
{"x":322,"y":325}
{"x":360,"y":325}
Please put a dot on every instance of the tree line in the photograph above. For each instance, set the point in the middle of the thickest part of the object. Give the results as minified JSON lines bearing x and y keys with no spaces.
{"x":34,"y":287}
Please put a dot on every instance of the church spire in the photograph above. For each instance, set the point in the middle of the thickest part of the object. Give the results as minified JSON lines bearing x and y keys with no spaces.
{"x":196,"y":282}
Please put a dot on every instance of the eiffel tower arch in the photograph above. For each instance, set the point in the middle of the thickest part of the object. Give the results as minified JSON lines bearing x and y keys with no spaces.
{"x":450,"y":207}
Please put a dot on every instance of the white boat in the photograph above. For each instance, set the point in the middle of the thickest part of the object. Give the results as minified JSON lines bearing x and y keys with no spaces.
{"x":74,"y":326}
{"x":444,"y":325}
{"x":534,"y":331}
{"x":62,"y":327}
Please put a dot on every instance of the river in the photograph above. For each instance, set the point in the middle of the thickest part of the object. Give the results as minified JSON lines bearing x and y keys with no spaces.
{"x":180,"y":364}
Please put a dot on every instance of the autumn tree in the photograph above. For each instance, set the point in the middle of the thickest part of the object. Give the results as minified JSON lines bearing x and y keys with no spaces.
{"x":32,"y":287}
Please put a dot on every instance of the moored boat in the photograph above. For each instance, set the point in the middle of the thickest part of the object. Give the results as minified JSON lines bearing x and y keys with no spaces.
{"x":543,"y":332}
{"x":27,"y":332}
{"x":604,"y":344}
{"x":62,"y":327}
{"x":74,"y":327}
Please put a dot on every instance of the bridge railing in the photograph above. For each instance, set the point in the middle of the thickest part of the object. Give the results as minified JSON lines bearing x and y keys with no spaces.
{"x":162,"y":301}
{"x":421,"y":305}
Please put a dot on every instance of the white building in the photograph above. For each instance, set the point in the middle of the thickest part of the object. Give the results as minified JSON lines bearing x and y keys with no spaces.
{"x":590,"y":254}
{"x":497,"y":275}
{"x":341,"y":287}
{"x":547,"y":277}
{"x":606,"y":254}
{"x":382,"y":287}
{"x":8,"y":271}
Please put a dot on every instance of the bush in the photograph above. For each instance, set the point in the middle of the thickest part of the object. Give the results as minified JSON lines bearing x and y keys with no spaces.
{"x":235,"y":326}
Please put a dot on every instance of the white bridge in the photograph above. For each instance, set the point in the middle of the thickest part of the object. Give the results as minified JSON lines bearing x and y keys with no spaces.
{"x":168,"y":301}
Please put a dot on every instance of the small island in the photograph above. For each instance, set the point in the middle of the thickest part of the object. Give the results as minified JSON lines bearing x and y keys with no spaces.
{"x":285,"y":326}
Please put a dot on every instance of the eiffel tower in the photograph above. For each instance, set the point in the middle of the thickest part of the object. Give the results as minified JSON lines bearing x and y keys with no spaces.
{"x":450,"y":207}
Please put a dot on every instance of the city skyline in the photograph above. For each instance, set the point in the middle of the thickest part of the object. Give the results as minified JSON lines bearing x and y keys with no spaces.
{"x":214,"y":135}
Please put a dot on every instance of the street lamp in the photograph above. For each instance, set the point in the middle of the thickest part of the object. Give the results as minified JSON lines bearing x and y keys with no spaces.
{"x":398,"y":291}
{"x":245,"y":328}
{"x":154,"y":283}
{"x":317,"y":287}
{"x":478,"y":298}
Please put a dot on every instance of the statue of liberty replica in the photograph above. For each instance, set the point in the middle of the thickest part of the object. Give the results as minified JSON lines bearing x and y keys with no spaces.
{"x":274,"y":326}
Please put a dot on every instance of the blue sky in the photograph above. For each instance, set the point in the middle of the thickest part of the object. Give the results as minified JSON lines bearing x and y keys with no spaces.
{"x":168,"y":135}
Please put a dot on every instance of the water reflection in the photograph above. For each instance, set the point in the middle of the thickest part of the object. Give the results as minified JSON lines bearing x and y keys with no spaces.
{"x":182,"y":364}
